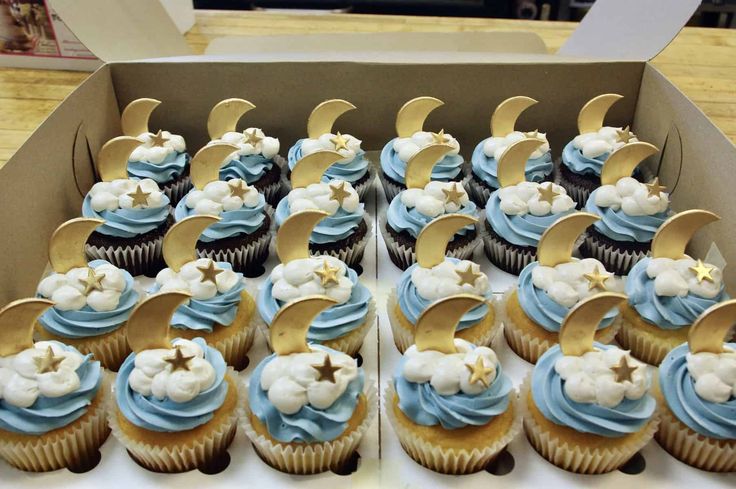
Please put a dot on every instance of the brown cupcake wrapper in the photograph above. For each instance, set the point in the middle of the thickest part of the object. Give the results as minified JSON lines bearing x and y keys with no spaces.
{"x":506,"y":256}
{"x":110,"y":349}
{"x":140,"y":259}
{"x":641,"y":346}
{"x":615,"y":260}
{"x":361,"y":189}
{"x":177,"y":189}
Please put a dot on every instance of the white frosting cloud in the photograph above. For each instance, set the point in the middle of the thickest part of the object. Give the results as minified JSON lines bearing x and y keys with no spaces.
{"x":674,"y":278}
{"x":216,"y":197}
{"x":604,"y":141}
{"x":566,"y":283}
{"x":114,"y":195}
{"x":297,"y":279}
{"x":157,"y":154}
{"x":714,"y":374}
{"x":292,"y":381}
{"x":189,"y":279}
{"x":318,"y":196}
{"x":67,"y":289}
{"x":310,"y":146}
{"x":21,"y":383}
{"x":408,"y":147}
{"x":441,"y":280}
{"x":494,"y":147}
{"x":524,"y":198}
{"x":267,"y":146}
{"x":448,"y":373}
{"x":431,"y":200}
{"x":153,"y":375}
{"x":589,"y":378}
{"x":632,"y":197}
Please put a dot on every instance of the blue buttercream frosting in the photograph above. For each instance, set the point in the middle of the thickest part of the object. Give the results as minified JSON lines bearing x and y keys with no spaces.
{"x":448,"y":168}
{"x":402,"y":218}
{"x":86,"y":322}
{"x":246,"y":167}
{"x":51,"y":413}
{"x":548,"y":392}
{"x":340,"y":225}
{"x":128,"y":223}
{"x":309,"y":424}
{"x":573,"y":158}
{"x":169,"y":169}
{"x":486,"y":167}
{"x":715,"y":420}
{"x":246,"y":220}
{"x":619,"y":226}
{"x":165,"y":415}
{"x":662,"y":311}
{"x":352,"y":171}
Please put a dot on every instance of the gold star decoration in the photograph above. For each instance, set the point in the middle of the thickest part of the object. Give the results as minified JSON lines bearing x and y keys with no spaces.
{"x":139,"y":196}
{"x":655,"y":188}
{"x":339,"y":193}
{"x":597,"y":279}
{"x":702,"y":271}
{"x":340,"y":141}
{"x":624,"y":135}
{"x":623,"y":370}
{"x":157,"y":140}
{"x":209,"y":273}
{"x":326,"y":370}
{"x":547,"y":194}
{"x":533,"y":134}
{"x":48,"y":363}
{"x":453,"y":195}
{"x":237,"y":189}
{"x":327,"y":274}
{"x":178,"y":361}
{"x":479,"y":372}
{"x":468,"y":276}
{"x":252,"y":137}
{"x":439,"y":137}
{"x":92,"y":282}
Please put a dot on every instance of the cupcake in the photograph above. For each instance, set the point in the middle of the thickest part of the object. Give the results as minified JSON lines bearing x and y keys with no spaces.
{"x":175,"y":404}
{"x":532,"y":312}
{"x":587,"y":408}
{"x":411,"y":138}
{"x":92,"y":301}
{"x":583,"y":157}
{"x":669,"y":290}
{"x":483,"y":178}
{"x":135,"y":211}
{"x":344,"y":233}
{"x":162,"y":157}
{"x":434,"y":277}
{"x":353,"y":167}
{"x":412,"y":209}
{"x":307,"y":409}
{"x":630,"y":211}
{"x":242,"y":235}
{"x":221,"y":310}
{"x":519,"y":212}
{"x":450,"y":403}
{"x":697,"y":390}
{"x":341,"y":327}
{"x":255,"y":161}
{"x":52,"y":397}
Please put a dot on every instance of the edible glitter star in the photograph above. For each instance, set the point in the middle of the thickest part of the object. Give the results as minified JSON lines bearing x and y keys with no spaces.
{"x":237,"y":189}
{"x":655,"y":188}
{"x":597,"y":279}
{"x":326,"y":370}
{"x":468,"y":276}
{"x":340,"y":141}
{"x":439,"y":137}
{"x":339,"y":193}
{"x":178,"y":361}
{"x":157,"y":140}
{"x":327,"y":274}
{"x":252,"y":137}
{"x":92,"y":282}
{"x":623,"y":370}
{"x":624,"y":135}
{"x":702,"y":271}
{"x":479,"y":372}
{"x":453,"y":195}
{"x":48,"y":363}
{"x":209,"y":273}
{"x":139,"y":196}
{"x":547,"y":194}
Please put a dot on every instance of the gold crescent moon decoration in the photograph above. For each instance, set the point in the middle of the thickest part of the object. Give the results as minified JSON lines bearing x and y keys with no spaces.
{"x":66,"y":246}
{"x":419,"y":167}
{"x":310,"y":169}
{"x":134,"y":119}
{"x":323,"y":116}
{"x":148,"y":324}
{"x":711,"y":329}
{"x":180,"y":242}
{"x":622,"y":162}
{"x":112,"y":160}
{"x":435,"y":328}
{"x":557,"y":242}
{"x":292,"y":238}
{"x":17,"y":321}
{"x":512,"y":163}
{"x":432,"y":240}
{"x":225,"y":115}
{"x":591,"y":116}
{"x":675,"y":233}
{"x":503,"y":120}
{"x":577,"y":332}
{"x":412,"y":115}
{"x":288,"y":330}
{"x":205,"y":165}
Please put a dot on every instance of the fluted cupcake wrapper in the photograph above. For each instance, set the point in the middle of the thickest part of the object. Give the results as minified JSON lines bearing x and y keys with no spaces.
{"x":361,"y":189}
{"x":390,"y":189}
{"x":615,"y":260}
{"x":507,"y":257}
{"x":272,"y":193}
{"x":140,"y":259}
{"x":642,"y":346}
{"x":477,"y":192}
{"x":110,"y":349}
{"x":177,"y":189}
{"x":310,"y":458}
{"x":577,"y":193}
{"x":352,"y":255}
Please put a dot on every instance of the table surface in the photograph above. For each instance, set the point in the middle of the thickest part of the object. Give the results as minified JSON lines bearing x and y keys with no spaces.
{"x":700,"y":61}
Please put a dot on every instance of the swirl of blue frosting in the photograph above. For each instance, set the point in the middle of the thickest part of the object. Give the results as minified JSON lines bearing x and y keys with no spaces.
{"x":486,"y":167}
{"x":128,"y":223}
{"x":448,"y":168}
{"x":86,"y":322}
{"x":203,"y":314}
{"x":401,"y":218}
{"x":351,"y":171}
{"x":573,"y":158}
{"x":246,"y":220}
{"x":334,"y":322}
{"x":340,"y":225}
{"x":165,"y":415}
{"x":662,"y":311}
{"x":620,"y":226}
{"x":309,"y":424}
{"x":548,"y":392}
{"x":169,"y":169}
{"x":51,"y":413}
{"x":412,"y":304}
{"x":715,"y":420}
{"x":542,"y":309}
{"x":246,"y":167}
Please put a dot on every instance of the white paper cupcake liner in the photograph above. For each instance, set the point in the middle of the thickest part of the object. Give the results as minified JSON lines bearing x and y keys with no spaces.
{"x":506,"y":256}
{"x":390,"y":189}
{"x":477,"y":192}
{"x":641,"y":345}
{"x":110,"y":349}
{"x":244,"y":257}
{"x":577,"y":193}
{"x":177,"y":189}
{"x":141,"y":259}
{"x":615,"y":260}
{"x":352,"y":255}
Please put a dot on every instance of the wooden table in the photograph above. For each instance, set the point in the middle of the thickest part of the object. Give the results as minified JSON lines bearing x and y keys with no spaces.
{"x":700,"y":61}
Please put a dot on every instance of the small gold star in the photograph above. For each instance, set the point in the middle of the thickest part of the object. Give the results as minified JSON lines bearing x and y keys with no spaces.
{"x":48,"y":363}
{"x":326,"y":370}
{"x":597,"y":279}
{"x":479,"y":372}
{"x":209,"y":273}
{"x":533,"y":134}
{"x":655,"y":188}
{"x":339,"y":193}
{"x":624,"y":135}
{"x":157,"y":140}
{"x":92,"y":282}
{"x":252,"y":137}
{"x":237,"y":189}
{"x":439,"y":137}
{"x":178,"y":361}
{"x":453,"y":195}
{"x":468,"y":276}
{"x":623,"y":371}
{"x":547,"y":194}
{"x":139,"y":196}
{"x":702,"y":271}
{"x":340,"y":141}
{"x":327,"y":274}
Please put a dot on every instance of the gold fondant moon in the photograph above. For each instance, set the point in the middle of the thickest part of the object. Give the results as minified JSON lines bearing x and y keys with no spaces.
{"x":180,"y":242}
{"x":225,"y":115}
{"x":205,"y":166}
{"x":432,"y":240}
{"x":412,"y":115}
{"x":134,"y":120}
{"x":292,"y":238}
{"x":288,"y":330}
{"x":419,"y":167}
{"x":557,"y":243}
{"x":591,"y":116}
{"x":622,"y":162}
{"x":435,"y":328}
{"x":66,"y":246}
{"x":17,"y":321}
{"x":148,"y":324}
{"x":112,"y":160}
{"x":577,"y":332}
{"x":323,"y":116}
{"x":503,"y":120}
{"x":711,"y":329}
{"x":310,"y":169}
{"x":675,"y":233}
{"x":512,"y":163}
